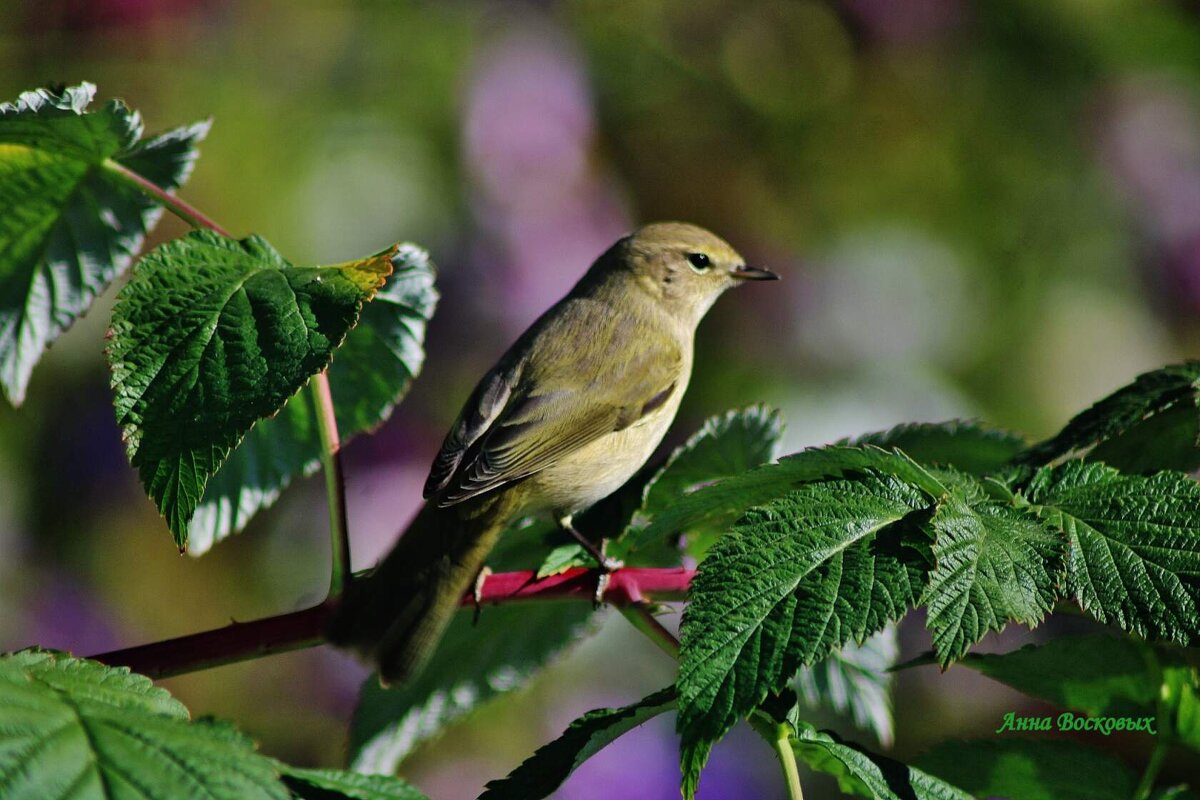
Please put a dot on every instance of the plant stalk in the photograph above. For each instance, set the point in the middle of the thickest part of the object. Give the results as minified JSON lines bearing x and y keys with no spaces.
{"x":787,"y":759}
{"x":1146,"y":785}
{"x":335,"y":485}
{"x":185,"y":211}
{"x":642,"y":618}
{"x":242,"y":641}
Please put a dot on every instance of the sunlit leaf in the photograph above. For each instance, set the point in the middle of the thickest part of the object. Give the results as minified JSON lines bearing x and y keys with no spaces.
{"x":1133,"y":555}
{"x":994,"y":564}
{"x":70,"y":224}
{"x":808,"y":572}
{"x":75,"y":728}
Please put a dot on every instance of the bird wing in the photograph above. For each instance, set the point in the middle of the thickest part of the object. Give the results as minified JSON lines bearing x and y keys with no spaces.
{"x":584,"y":375}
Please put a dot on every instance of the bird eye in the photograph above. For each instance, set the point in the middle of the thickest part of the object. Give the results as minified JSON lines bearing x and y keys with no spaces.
{"x":699,"y":262}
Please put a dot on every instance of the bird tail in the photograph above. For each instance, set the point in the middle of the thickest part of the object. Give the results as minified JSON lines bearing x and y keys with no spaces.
{"x":396,"y":616}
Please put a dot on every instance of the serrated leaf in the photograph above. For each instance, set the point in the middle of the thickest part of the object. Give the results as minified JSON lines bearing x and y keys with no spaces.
{"x":336,"y":784}
{"x":551,"y":764}
{"x":868,"y":774}
{"x":69,"y":225}
{"x":371,"y":373}
{"x":716,"y":507}
{"x":856,"y":680}
{"x":1129,"y":415}
{"x":791,"y":580}
{"x":993,"y":564}
{"x":970,"y":446}
{"x":473,"y":664}
{"x":211,"y":335}
{"x":1042,"y":769}
{"x":725,"y":445}
{"x":1097,"y":674}
{"x":78,"y":729}
{"x":1133,"y":555}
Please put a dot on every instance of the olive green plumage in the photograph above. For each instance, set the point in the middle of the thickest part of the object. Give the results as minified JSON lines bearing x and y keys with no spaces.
{"x":567,"y":415}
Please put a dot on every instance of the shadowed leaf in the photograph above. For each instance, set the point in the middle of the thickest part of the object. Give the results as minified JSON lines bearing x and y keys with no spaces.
{"x":543,"y":772}
{"x":371,"y":373}
{"x":210,"y":336}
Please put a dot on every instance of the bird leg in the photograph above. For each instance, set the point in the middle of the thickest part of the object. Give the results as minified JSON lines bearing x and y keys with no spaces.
{"x":477,"y":592}
{"x":607,"y":565}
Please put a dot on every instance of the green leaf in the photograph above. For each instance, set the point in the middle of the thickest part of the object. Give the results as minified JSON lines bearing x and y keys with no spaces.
{"x":1181,"y":704}
{"x":856,"y":679}
{"x":867,"y":774}
{"x":371,"y":373}
{"x":473,"y":664}
{"x":1173,"y":793}
{"x":994,"y":563}
{"x":563,"y":558}
{"x":789,"y":582}
{"x":717,"y":506}
{"x":78,"y":729}
{"x":724,"y":446}
{"x":211,"y":335}
{"x":1041,"y":769}
{"x":1128,"y":421}
{"x":336,"y":784}
{"x":1167,"y":440}
{"x":70,"y":225}
{"x":1133,"y":554}
{"x":551,"y":764}
{"x":966,"y":445}
{"x":1097,"y":674}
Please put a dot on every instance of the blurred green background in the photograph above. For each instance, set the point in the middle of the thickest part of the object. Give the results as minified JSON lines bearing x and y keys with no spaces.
{"x":980,"y":209}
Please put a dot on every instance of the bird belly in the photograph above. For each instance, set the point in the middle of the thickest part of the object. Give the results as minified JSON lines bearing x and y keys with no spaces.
{"x":599,"y":468}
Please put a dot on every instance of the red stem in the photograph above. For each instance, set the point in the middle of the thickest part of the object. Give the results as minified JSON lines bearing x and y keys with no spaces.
{"x":177,"y":206}
{"x":301,"y":629}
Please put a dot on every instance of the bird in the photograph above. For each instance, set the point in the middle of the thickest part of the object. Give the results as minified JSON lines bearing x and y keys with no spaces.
{"x":567,"y":415}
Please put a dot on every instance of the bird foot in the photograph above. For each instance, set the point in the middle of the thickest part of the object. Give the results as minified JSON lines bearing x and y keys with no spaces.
{"x":477,"y":592}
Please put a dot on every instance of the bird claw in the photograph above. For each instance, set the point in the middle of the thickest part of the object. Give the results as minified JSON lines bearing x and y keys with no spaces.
{"x":601,"y":588}
{"x":608,"y":566}
{"x":477,"y":592}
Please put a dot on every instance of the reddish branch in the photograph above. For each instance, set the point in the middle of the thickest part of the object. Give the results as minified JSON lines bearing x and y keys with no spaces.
{"x":300,"y":629}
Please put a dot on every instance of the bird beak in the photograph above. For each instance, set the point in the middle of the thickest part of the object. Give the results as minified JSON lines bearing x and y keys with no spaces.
{"x":744,"y":273}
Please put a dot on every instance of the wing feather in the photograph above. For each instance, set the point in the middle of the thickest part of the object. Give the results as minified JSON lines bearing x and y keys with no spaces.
{"x":531,"y":411}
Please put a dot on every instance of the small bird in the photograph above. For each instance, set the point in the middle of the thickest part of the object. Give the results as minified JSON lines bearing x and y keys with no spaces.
{"x":564,"y":418}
